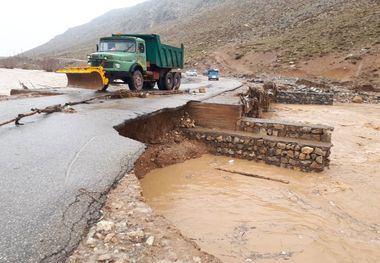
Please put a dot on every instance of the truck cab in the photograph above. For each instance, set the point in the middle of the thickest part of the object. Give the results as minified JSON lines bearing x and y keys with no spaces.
{"x":119,"y":56}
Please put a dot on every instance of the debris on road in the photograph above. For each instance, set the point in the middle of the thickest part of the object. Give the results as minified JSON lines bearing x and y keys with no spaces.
{"x":253,"y":175}
{"x":120,"y":94}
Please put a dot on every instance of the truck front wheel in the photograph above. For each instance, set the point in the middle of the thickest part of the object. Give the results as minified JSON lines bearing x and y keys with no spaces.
{"x":137,"y":81}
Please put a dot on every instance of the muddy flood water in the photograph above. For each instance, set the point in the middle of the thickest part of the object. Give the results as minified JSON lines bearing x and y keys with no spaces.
{"x":333,"y":216}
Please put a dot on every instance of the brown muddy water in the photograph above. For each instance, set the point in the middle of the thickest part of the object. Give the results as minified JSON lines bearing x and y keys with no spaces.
{"x":333,"y":216}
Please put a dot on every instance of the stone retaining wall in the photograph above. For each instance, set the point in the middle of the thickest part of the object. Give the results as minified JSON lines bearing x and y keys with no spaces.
{"x":288,"y":153}
{"x":294,"y":97}
{"x":266,"y":127}
{"x":215,"y":115}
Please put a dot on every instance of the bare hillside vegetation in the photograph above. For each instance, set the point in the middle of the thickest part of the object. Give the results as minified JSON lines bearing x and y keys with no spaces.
{"x":244,"y":36}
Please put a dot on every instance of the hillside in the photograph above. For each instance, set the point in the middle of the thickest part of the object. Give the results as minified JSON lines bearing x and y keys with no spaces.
{"x":232,"y":34}
{"x":145,"y":17}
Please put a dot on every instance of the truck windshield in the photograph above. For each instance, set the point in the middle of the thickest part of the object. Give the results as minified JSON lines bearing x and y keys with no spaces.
{"x":118,"y":45}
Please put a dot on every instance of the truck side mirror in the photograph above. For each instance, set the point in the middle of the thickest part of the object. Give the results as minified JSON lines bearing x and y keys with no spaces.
{"x":97,"y":47}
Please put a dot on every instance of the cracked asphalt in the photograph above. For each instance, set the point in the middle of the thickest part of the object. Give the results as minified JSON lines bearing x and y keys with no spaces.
{"x":56,"y":169}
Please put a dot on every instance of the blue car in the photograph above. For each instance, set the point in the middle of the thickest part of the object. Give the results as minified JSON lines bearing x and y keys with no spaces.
{"x":213,"y":74}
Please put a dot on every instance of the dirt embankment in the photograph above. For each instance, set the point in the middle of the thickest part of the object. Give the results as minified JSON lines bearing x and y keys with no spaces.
{"x":178,"y":150}
{"x":165,"y":142}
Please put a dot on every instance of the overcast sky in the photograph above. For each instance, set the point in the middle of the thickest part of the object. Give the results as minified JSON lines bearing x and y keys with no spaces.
{"x":25,"y":24}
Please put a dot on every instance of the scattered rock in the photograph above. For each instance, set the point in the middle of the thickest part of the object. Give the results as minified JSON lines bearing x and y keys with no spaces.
{"x":105,"y":226}
{"x":104,"y":257}
{"x":357,"y":99}
{"x":91,"y":242}
{"x":143,"y":95}
{"x":137,"y":236}
{"x":202,"y":90}
{"x":150,"y":241}
{"x":108,"y":237}
{"x":239,"y":56}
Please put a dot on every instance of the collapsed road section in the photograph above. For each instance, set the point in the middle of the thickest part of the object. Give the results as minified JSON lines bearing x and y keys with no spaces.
{"x":218,"y":126}
{"x":187,"y":132}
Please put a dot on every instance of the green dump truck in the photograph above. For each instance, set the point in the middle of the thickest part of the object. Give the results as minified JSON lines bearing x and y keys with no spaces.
{"x":140,"y":60}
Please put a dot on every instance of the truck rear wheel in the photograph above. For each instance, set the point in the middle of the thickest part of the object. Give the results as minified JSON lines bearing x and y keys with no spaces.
{"x":166,"y":82}
{"x":137,"y":81}
{"x":177,"y":80}
{"x":169,"y":81}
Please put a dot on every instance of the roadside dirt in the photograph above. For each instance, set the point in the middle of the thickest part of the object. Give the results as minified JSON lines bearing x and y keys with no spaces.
{"x":178,"y":150}
{"x":362,"y":65}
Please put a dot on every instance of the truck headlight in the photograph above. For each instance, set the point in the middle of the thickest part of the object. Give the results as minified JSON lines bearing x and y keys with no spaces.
{"x":88,"y":56}
{"x":89,"y":63}
{"x":105,"y":58}
{"x":117,"y":65}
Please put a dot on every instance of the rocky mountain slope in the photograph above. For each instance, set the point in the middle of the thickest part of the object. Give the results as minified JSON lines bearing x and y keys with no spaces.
{"x":146,"y":17}
{"x":229,"y":32}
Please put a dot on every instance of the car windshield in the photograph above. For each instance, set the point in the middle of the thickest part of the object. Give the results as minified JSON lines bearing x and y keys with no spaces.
{"x":118,"y":45}
{"x":213,"y":71}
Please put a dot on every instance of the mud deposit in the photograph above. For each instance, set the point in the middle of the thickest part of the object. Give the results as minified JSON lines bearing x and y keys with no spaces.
{"x":329,"y":217}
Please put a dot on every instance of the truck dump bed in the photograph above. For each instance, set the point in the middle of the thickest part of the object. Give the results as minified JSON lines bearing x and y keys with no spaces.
{"x":158,"y":54}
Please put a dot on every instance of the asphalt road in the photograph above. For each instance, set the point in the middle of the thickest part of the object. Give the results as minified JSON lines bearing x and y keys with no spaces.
{"x":56,"y":169}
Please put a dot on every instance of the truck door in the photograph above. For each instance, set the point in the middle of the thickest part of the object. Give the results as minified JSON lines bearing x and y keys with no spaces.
{"x":141,"y":54}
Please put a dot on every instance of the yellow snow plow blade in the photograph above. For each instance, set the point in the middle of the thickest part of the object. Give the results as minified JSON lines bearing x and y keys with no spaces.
{"x":85,"y":77}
